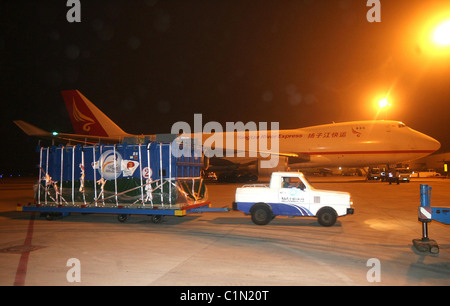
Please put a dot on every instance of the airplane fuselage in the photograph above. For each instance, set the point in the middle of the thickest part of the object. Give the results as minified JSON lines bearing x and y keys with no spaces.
{"x":349,"y":144}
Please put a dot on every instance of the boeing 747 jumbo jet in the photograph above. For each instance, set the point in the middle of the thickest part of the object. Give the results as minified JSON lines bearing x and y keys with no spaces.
{"x":346,"y":144}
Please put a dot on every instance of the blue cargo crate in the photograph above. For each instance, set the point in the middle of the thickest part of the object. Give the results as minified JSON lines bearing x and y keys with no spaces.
{"x":116,"y":161}
{"x":127,"y":174}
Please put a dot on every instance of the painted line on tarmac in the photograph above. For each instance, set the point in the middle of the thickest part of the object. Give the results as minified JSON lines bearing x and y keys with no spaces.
{"x":21,"y":272}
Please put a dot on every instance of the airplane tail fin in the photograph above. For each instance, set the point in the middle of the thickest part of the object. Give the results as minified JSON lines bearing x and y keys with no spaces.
{"x":87,"y":119}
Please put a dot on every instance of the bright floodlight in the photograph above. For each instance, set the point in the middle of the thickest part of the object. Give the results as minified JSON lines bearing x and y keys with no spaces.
{"x":442,"y":34}
{"x":383,"y":103}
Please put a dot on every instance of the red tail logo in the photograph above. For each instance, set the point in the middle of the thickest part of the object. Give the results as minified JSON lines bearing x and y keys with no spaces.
{"x":82,"y":118}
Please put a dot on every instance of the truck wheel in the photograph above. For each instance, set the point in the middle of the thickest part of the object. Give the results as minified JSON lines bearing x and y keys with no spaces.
{"x":327,"y":216}
{"x":261,"y":214}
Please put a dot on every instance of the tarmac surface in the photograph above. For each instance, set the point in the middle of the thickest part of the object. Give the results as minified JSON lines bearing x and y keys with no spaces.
{"x":373,"y":247}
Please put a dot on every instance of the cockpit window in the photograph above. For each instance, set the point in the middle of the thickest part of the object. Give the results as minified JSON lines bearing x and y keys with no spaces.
{"x":400,"y":125}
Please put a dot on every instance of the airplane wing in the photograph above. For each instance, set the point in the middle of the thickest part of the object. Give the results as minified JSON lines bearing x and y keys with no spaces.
{"x":293,"y":157}
{"x":32,"y":130}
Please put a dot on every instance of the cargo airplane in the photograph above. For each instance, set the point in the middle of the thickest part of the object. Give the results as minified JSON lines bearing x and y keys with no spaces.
{"x":346,"y":144}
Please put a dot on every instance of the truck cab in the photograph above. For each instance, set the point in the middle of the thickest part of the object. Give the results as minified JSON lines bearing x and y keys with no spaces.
{"x":374,"y":174}
{"x":291,"y":194}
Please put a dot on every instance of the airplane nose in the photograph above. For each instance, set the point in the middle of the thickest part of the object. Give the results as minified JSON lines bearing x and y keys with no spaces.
{"x":428,"y":143}
{"x":435,"y":145}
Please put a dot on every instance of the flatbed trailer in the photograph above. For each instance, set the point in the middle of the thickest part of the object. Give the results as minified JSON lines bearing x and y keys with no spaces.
{"x":122,"y":179}
{"x":156,"y":214}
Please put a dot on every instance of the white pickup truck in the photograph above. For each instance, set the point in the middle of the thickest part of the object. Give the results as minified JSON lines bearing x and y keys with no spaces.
{"x":290,"y":194}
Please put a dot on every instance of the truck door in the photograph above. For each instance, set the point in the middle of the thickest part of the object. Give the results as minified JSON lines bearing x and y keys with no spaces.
{"x":294,"y":193}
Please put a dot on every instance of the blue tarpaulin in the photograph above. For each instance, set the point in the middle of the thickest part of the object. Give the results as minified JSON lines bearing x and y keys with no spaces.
{"x":66,"y":163}
{"x":121,"y":173}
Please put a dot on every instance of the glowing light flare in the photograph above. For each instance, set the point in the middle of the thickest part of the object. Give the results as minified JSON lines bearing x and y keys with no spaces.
{"x":441,"y":34}
{"x":434,"y":38}
{"x":383,"y":103}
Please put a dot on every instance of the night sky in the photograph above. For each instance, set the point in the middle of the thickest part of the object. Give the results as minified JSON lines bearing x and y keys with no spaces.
{"x":148,"y":64}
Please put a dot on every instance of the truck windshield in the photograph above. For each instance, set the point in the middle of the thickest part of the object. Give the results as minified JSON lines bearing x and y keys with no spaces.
{"x":290,"y":182}
{"x":307,"y":182}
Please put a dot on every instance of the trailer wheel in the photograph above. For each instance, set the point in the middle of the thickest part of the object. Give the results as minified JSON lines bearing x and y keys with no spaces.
{"x":49,"y":216}
{"x":261,"y":214}
{"x":122,"y":218}
{"x":157,"y":218}
{"x":326,"y":216}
